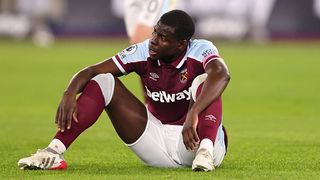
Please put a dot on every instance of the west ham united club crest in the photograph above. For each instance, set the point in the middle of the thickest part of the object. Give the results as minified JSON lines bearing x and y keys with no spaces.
{"x":184,"y":76}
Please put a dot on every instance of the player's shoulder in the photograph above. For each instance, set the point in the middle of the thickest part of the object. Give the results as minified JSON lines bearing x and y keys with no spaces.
{"x":135,"y":52}
{"x":201,"y":48}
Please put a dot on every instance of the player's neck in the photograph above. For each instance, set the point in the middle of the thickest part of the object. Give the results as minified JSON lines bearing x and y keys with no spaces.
{"x":174,"y":57}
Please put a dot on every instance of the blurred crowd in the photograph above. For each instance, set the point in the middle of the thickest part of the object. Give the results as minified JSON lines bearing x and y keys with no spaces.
{"x":225,"y":19}
{"x":23,"y":18}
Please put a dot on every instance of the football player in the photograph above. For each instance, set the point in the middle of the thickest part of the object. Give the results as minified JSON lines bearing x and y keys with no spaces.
{"x":181,"y":123}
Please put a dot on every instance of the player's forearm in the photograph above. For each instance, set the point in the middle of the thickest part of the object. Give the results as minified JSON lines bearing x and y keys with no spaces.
{"x":212,"y":88}
{"x":78,"y":82}
{"x":217,"y":80}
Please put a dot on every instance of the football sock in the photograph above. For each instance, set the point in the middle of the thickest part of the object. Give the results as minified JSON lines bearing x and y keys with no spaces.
{"x":207,"y":144}
{"x":57,"y":146}
{"x":90,"y":105}
{"x":209,"y":120}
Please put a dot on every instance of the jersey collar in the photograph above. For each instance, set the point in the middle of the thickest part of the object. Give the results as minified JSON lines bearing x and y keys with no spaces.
{"x":178,"y":62}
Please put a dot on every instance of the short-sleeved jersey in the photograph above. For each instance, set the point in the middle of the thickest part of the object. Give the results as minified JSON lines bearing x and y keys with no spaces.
{"x":167,"y":86}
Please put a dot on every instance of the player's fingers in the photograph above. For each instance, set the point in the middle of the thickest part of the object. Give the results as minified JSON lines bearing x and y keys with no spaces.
{"x":69,"y":119}
{"x":196,"y":139}
{"x":186,"y":139}
{"x":192,"y":143}
{"x":188,"y":144}
{"x":57,"y":116}
{"x":59,"y":119}
{"x":63,"y":120}
{"x":74,"y":115}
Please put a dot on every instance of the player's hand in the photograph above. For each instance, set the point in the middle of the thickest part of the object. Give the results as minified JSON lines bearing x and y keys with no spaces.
{"x":66,"y":112}
{"x":189,"y":132}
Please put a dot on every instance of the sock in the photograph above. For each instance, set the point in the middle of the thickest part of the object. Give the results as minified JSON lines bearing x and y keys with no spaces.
{"x":207,"y":144}
{"x":90,"y":105}
{"x":57,"y":146}
{"x":209,"y":120}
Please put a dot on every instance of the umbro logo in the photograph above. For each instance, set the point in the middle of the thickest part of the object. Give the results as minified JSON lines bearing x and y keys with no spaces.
{"x":210,"y":117}
{"x":154,"y":76}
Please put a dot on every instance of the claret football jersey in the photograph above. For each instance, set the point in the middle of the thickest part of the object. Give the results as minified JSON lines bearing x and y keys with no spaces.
{"x":167,"y":86}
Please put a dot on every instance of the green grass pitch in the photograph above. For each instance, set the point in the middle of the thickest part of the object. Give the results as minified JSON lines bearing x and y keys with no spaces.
{"x":271,"y":111}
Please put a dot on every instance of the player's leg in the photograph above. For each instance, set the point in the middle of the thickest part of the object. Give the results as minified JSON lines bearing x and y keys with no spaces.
{"x":140,"y":130}
{"x":210,"y":133}
{"x":127,"y":113}
{"x":153,"y":147}
{"x":90,"y":104}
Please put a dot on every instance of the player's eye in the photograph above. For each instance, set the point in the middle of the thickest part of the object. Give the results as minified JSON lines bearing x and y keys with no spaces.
{"x":164,"y":38}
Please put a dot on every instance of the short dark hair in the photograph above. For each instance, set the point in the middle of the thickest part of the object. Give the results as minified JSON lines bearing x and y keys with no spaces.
{"x":181,"y":22}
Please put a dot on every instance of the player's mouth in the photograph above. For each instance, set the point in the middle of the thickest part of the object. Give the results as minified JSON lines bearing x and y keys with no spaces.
{"x":152,"y":52}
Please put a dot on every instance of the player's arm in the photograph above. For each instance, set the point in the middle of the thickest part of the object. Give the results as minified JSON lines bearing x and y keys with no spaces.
{"x":217,"y":80}
{"x":67,"y":107}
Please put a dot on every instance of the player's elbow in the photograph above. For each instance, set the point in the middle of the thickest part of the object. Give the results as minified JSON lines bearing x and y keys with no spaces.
{"x":218,"y":70}
{"x":88,"y":72}
{"x":223,"y":73}
{"x":227,"y":76}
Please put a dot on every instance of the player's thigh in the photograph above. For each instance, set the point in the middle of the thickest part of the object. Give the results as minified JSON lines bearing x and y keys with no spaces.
{"x":127,"y":113}
{"x":152,"y":146}
{"x":185,"y":157}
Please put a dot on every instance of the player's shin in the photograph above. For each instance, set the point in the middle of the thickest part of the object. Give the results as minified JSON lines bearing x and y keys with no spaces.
{"x":209,"y":120}
{"x":90,"y":104}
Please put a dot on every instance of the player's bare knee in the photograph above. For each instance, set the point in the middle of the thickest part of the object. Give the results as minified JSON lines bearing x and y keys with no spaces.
{"x":107,"y":84}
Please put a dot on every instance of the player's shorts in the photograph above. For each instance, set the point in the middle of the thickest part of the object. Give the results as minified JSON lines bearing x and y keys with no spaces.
{"x":146,"y":12}
{"x":161,"y":145}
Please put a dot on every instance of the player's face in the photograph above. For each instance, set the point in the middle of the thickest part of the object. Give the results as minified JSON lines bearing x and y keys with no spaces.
{"x":163,"y":45}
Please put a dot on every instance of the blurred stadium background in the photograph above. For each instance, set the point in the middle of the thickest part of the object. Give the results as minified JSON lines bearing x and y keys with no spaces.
{"x":271,"y":106}
{"x":225,"y":19}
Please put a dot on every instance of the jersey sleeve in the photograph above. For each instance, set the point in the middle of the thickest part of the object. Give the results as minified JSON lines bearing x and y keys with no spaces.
{"x":132,"y":58}
{"x":204,"y":51}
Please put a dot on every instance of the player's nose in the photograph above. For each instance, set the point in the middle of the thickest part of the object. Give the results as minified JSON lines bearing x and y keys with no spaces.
{"x":154,"y":39}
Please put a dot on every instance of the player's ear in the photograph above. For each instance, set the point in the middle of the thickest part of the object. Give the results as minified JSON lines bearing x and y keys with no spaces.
{"x":183,"y":44}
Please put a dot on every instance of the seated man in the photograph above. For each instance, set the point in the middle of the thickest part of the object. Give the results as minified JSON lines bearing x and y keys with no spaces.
{"x":180,"y":125}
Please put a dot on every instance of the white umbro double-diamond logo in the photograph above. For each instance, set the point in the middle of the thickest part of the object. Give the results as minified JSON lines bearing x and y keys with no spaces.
{"x":210,"y":117}
{"x":154,"y":76}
